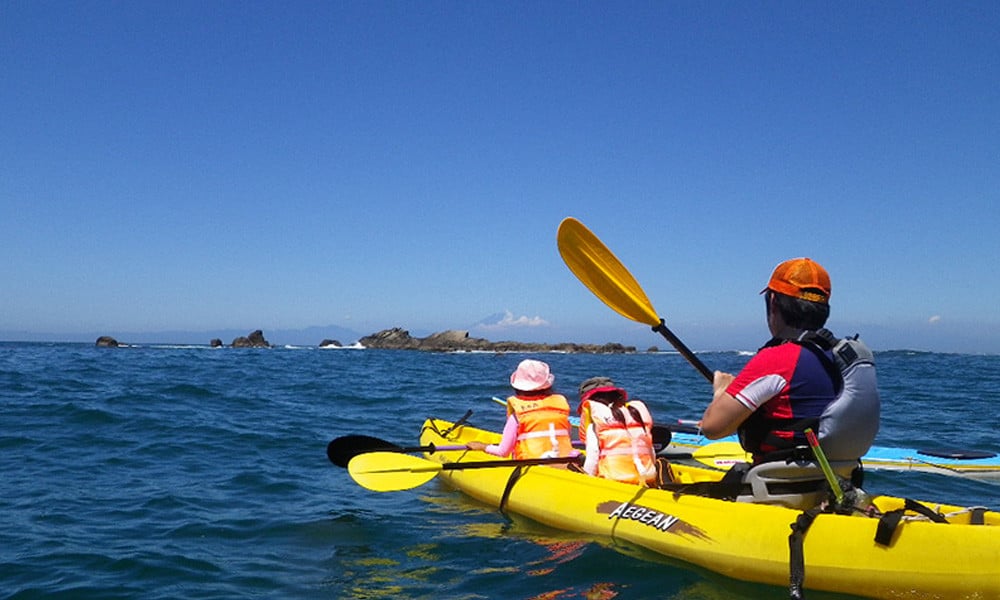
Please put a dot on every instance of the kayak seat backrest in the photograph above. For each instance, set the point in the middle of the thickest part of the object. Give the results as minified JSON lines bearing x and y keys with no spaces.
{"x":798,"y":485}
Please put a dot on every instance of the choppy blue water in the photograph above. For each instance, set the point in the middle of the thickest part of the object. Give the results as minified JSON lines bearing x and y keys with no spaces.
{"x":165,"y":472}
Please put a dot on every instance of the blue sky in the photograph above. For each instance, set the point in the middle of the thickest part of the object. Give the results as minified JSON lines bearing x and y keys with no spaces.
{"x":204,"y":165}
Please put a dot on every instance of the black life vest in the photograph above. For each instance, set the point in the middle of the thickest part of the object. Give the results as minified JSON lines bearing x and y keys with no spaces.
{"x":849,"y":424}
{"x":761,"y":430}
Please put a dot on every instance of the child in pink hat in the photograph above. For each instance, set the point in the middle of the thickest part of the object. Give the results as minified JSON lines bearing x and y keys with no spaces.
{"x":537,"y":418}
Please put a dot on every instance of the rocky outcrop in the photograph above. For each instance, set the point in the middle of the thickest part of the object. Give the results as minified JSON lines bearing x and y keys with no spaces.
{"x":458,"y":341}
{"x":254,"y":340}
{"x":215,"y":343}
{"x":330,"y":344}
{"x":390,"y":339}
{"x":106,"y":341}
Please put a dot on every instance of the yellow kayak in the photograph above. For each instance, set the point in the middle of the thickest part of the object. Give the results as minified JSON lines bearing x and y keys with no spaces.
{"x":959,"y":558}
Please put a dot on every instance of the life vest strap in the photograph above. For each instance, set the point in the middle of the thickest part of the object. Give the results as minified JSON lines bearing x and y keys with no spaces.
{"x":542,"y":434}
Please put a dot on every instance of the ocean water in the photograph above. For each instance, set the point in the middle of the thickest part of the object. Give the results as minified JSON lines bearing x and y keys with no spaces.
{"x":190,"y":472}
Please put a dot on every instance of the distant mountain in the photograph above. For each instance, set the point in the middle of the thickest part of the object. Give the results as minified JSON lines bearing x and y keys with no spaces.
{"x":491,"y":320}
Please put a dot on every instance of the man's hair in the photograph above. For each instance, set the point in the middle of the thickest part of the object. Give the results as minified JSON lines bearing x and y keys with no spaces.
{"x":800,"y":314}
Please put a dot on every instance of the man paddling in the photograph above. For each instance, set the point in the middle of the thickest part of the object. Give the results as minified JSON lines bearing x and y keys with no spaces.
{"x":796,"y":380}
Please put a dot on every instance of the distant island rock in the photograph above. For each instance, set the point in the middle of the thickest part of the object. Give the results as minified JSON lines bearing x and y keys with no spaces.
{"x":254,"y":340}
{"x":106,"y":341}
{"x":455,"y":340}
{"x":397,"y":338}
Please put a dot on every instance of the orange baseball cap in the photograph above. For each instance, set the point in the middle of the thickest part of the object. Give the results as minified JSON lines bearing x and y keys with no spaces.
{"x":801,"y":278}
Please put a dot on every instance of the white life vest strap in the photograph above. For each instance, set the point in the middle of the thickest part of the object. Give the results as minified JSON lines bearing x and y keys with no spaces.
{"x":553,"y":436}
{"x":542,"y":434}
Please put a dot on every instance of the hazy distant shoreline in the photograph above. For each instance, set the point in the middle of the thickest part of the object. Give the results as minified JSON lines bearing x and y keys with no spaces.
{"x":309,"y":336}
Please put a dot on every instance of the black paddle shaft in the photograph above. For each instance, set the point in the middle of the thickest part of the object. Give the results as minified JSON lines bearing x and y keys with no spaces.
{"x":524,"y":462}
{"x":684,"y":350}
{"x":341,"y":450}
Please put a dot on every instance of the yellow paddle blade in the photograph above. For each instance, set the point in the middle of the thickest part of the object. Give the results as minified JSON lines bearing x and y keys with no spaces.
{"x":603,"y":274}
{"x":721,"y":455}
{"x":391,"y":471}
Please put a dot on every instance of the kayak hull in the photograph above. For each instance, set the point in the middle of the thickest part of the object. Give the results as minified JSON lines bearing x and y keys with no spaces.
{"x":741,"y":540}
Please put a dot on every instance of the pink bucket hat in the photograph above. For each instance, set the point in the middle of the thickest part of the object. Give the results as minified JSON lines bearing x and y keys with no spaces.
{"x":531,"y":375}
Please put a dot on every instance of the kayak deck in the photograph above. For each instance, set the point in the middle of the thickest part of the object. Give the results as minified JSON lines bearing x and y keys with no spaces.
{"x":957,"y":559}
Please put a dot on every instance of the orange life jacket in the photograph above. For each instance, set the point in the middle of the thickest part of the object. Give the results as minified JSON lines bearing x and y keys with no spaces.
{"x":626,"y":449}
{"x":543,"y":426}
